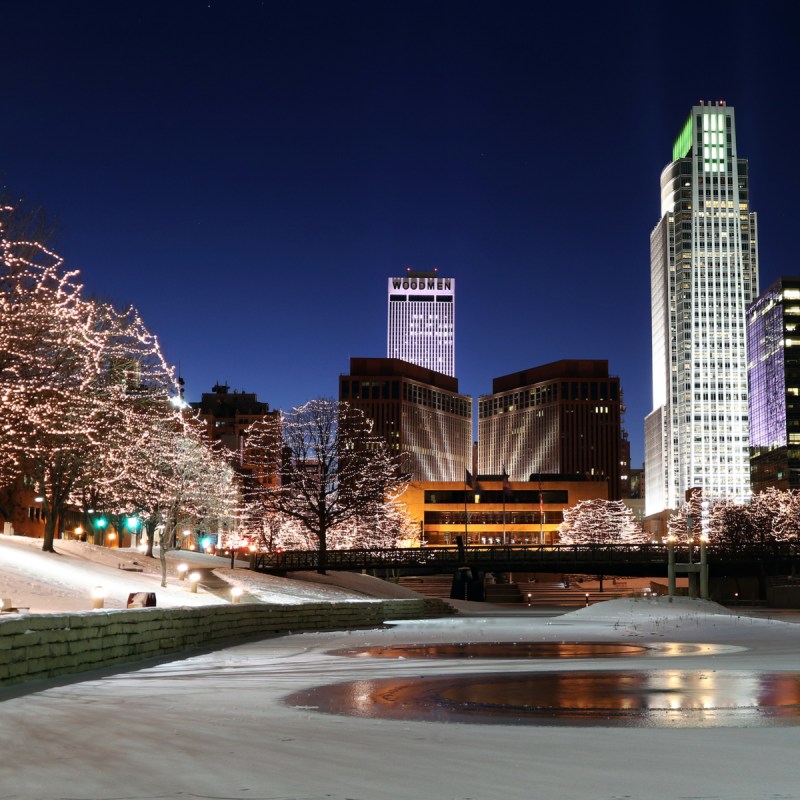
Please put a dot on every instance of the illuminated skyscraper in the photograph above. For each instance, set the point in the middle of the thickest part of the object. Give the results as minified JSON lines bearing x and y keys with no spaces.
{"x":703,"y":274}
{"x":421,"y":328}
{"x":773,"y":344}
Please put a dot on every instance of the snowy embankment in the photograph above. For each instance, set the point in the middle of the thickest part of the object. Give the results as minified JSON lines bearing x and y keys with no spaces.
{"x":63,"y":581}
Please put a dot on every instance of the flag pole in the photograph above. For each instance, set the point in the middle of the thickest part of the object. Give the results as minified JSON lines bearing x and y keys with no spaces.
{"x":541,"y":511}
{"x":505,"y":481}
{"x":466,"y":513}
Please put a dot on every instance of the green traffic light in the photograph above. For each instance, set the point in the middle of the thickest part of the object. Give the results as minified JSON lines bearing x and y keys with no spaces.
{"x":132,"y":523}
{"x":101,"y":522}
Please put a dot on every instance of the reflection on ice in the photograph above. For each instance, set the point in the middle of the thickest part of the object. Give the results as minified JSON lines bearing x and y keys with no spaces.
{"x":653,"y":698}
{"x":524,"y":650}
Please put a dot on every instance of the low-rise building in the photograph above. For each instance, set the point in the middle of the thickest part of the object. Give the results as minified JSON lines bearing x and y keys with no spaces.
{"x":495,"y":511}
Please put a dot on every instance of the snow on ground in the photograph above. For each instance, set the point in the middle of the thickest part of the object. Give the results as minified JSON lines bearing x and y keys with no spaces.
{"x":47,"y":582}
{"x":215,"y":724}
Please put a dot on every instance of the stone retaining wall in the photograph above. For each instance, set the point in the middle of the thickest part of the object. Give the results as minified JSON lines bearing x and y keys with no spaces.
{"x":33,"y":647}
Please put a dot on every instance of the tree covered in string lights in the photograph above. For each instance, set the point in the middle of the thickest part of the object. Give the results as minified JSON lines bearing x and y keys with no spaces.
{"x":337,"y":481}
{"x":687,"y":522}
{"x":600,"y":522}
{"x":86,"y":416}
{"x":772,"y":516}
{"x":52,"y":419}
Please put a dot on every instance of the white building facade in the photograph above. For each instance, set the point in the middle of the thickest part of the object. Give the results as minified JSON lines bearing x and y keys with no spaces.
{"x":703,"y":274}
{"x":421,"y":321}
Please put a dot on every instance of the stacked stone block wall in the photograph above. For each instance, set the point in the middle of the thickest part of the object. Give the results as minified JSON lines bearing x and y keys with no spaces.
{"x":39,"y":646}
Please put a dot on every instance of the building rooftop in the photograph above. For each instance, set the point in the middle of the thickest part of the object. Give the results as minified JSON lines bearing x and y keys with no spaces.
{"x":396,"y":367}
{"x":585,"y":368}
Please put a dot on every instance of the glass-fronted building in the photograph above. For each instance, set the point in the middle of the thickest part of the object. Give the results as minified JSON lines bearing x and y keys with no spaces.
{"x":703,"y":275}
{"x":773,"y":340}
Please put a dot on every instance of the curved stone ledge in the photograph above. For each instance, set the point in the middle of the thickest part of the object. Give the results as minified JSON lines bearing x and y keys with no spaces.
{"x":35,"y":647}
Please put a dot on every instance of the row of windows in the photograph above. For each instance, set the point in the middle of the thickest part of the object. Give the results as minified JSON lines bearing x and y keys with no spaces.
{"x":593,"y":391}
{"x":529,"y":497}
{"x":420,"y":298}
{"x":370,"y":390}
{"x":492,"y":517}
{"x":441,"y":401}
{"x":413,"y":393}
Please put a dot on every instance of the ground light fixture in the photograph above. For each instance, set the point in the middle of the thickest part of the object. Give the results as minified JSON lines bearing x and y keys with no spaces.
{"x":236,"y":594}
{"x":98,"y":596}
{"x":182,"y":570}
{"x":194,"y":579}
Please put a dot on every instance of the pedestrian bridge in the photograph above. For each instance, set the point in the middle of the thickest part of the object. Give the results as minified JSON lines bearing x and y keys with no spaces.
{"x":594,"y":559}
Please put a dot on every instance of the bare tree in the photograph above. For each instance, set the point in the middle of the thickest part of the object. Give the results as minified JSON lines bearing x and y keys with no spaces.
{"x":334,"y":472}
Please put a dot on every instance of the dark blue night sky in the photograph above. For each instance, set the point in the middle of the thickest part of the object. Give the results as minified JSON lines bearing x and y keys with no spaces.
{"x":248,"y":174}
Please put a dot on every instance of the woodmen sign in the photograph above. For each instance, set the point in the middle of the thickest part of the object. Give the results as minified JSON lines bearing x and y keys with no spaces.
{"x":421,"y":284}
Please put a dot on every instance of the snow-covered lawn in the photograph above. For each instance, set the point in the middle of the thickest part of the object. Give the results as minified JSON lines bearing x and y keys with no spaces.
{"x":215,"y":725}
{"x":47,"y":582}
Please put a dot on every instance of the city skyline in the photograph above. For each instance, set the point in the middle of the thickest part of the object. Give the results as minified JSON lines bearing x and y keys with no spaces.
{"x":248,"y":175}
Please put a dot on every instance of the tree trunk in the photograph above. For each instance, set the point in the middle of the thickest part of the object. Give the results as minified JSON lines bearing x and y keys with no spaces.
{"x":150,"y":530}
{"x":51,"y":514}
{"x":322,"y":562}
{"x":167,"y":537}
{"x":163,"y":558}
{"x":49,"y":533}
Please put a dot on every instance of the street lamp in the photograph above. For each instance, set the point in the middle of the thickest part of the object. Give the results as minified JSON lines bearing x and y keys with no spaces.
{"x":182,"y":570}
{"x":236,"y":594}
{"x":194,"y":579}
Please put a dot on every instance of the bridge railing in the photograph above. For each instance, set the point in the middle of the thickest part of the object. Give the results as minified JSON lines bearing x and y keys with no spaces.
{"x":448,"y":557}
{"x":561,"y":556}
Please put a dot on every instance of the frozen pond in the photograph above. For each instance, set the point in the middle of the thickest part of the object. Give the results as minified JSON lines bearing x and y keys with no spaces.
{"x":641,"y":699}
{"x":534,"y":650}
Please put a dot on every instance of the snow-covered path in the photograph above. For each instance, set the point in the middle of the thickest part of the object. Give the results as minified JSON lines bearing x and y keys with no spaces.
{"x":214,"y":726}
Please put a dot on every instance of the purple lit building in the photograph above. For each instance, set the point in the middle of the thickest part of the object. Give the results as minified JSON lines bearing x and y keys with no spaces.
{"x":773,"y":345}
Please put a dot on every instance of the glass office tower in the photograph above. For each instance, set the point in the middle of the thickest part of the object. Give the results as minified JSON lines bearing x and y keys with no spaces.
{"x":773,"y":344}
{"x":703,"y":274}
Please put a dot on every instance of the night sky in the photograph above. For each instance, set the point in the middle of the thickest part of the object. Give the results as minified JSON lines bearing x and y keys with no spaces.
{"x":249,"y":174}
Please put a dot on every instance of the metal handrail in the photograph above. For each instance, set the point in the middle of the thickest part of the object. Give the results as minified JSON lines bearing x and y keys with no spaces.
{"x":527,"y":555}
